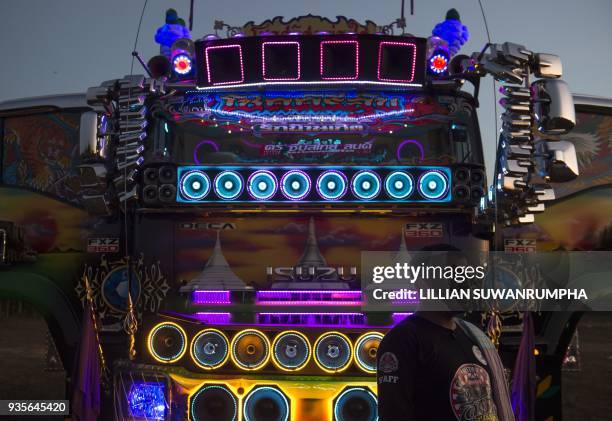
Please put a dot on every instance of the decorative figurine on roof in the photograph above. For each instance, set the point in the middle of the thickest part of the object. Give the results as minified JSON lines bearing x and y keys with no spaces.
{"x":452,"y":31}
{"x":173,"y":29}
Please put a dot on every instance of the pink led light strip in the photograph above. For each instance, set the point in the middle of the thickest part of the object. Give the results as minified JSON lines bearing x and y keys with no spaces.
{"x":322,"y":67}
{"x":403,"y":44}
{"x":299,"y":59}
{"x":208,"y":64}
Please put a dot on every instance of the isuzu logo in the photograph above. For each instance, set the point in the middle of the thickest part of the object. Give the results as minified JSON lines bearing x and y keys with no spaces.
{"x":311,"y":273}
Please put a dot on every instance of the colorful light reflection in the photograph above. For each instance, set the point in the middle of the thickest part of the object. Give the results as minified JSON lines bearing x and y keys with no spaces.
{"x":147,"y":400}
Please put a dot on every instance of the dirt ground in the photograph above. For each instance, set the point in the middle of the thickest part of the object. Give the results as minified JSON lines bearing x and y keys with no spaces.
{"x":586,"y":393}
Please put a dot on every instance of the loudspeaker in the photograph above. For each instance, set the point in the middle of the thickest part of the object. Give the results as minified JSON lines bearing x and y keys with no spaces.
{"x":266,"y":403}
{"x":213,"y":403}
{"x":167,"y":175}
{"x":333,"y":352}
{"x":356,"y":404}
{"x":366,"y":349}
{"x":461,"y":193}
{"x":167,"y":193}
{"x":210,"y":349}
{"x":150,"y":176}
{"x":150,"y":195}
{"x":250,"y":349}
{"x":291,"y":351}
{"x":462,"y":175}
{"x":167,"y":342}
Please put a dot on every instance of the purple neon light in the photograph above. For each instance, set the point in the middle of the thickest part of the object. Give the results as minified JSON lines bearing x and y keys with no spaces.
{"x":321,"y":295}
{"x":219,"y":47}
{"x":412,"y":142}
{"x":397,"y":44}
{"x":322,"y":67}
{"x":203,"y":142}
{"x":220,"y":318}
{"x":211,"y":297}
{"x":398,"y":317}
{"x":312,"y":319}
{"x":299,"y":59}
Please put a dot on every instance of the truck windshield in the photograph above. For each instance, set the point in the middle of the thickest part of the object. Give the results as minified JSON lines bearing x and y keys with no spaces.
{"x":430,"y":134}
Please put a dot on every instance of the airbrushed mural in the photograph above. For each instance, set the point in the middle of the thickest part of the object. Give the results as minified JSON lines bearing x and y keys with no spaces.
{"x":260,"y":250}
{"x":580,"y":218}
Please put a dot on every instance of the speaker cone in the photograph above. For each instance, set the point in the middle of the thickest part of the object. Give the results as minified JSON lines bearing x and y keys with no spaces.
{"x":167,"y":342}
{"x":291,"y":351}
{"x":149,"y":176}
{"x":210,"y":349}
{"x":194,"y":185}
{"x":250,"y":349}
{"x":331,"y":185}
{"x":149,"y":195}
{"x":478,"y":176}
{"x":295,"y":185}
{"x":477,"y":192}
{"x":433,"y":185}
{"x":266,"y":403}
{"x":228,"y":185}
{"x":461,"y":193}
{"x":366,"y":185}
{"x":213,"y":403}
{"x":399,"y":185}
{"x":167,"y":193}
{"x":167,"y":175}
{"x":462,"y":175}
{"x":366,"y":349}
{"x":333,"y":352}
{"x":356,"y":404}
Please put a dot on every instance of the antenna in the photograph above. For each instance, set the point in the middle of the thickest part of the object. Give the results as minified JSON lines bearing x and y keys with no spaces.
{"x":190,"y":15}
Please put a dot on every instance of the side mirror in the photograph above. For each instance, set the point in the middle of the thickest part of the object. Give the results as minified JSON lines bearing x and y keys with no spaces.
{"x":553,"y":106}
{"x":557,"y":161}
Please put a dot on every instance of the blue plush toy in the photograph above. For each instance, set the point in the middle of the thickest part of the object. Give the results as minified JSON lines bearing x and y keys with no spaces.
{"x":452,"y":31}
{"x":170,"y":32}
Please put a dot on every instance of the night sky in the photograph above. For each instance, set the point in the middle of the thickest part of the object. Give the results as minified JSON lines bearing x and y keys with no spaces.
{"x":66,"y":46}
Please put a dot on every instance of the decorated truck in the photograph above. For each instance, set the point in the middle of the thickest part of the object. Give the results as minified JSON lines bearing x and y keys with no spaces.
{"x":197,"y":231}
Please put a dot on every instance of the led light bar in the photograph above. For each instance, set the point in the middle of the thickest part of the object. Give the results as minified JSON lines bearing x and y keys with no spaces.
{"x":309,"y":298}
{"x":211,"y":297}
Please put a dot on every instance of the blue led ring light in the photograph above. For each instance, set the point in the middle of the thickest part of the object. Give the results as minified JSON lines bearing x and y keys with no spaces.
{"x":228,"y":185}
{"x":366,"y":185}
{"x":195,"y":185}
{"x":332,"y":185}
{"x":262,"y":185}
{"x":295,"y":185}
{"x":356,"y":393}
{"x":266,"y":392}
{"x":399,"y":185}
{"x":433,"y":185}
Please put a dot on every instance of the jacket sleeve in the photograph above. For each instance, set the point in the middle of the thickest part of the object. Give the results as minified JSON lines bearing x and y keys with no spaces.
{"x":397,"y":361}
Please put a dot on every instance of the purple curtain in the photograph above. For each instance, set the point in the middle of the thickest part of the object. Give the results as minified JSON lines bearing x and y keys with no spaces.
{"x":86,"y":391}
{"x":524,"y":375}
